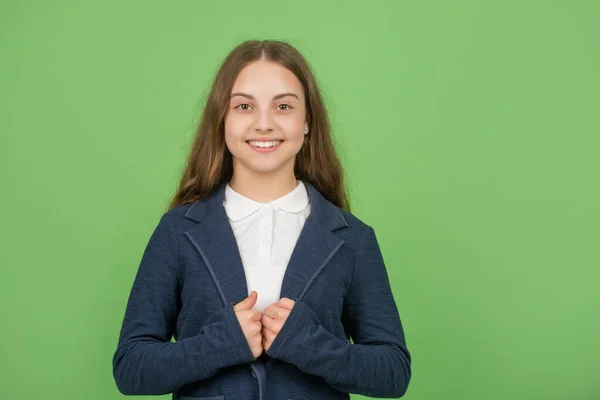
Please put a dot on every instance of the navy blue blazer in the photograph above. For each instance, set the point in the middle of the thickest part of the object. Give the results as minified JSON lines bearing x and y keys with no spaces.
{"x":191,"y":275}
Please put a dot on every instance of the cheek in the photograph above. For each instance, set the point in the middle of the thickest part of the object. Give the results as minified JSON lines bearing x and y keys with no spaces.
{"x":297,"y":139}
{"x":294,"y":130}
{"x":235,"y":131}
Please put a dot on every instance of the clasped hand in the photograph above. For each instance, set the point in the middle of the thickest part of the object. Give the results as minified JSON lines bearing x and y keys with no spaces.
{"x":261,"y":329}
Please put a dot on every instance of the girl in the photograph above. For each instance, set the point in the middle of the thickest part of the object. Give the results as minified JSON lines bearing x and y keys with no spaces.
{"x":270,"y":287}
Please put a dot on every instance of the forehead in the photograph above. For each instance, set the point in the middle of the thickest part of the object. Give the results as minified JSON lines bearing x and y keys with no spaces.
{"x":266,"y":78}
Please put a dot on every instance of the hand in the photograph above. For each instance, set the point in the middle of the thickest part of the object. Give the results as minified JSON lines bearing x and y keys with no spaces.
{"x":273,"y":319}
{"x":250,"y":321}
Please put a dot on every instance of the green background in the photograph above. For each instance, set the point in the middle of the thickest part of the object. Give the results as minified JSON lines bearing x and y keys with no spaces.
{"x":469,"y":131}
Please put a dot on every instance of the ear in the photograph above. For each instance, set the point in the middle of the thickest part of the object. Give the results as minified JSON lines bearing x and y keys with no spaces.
{"x":307,"y":124}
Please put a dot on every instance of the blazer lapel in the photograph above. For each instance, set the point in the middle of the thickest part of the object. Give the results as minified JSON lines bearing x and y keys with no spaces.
{"x":316,"y":245}
{"x":215,"y":241}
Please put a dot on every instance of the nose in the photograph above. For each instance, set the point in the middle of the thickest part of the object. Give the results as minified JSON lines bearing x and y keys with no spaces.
{"x":263,"y":122}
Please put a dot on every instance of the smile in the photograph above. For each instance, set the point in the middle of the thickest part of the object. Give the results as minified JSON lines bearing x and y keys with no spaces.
{"x":264,"y":146}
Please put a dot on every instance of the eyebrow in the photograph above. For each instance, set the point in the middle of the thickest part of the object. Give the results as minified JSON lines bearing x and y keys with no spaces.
{"x":274,"y":97}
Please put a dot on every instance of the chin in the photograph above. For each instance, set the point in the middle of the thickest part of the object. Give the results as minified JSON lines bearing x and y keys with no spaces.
{"x":265,"y":166}
{"x":266,"y":169}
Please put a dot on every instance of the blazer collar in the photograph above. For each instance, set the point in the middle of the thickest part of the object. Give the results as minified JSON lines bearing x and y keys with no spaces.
{"x":238,"y":206}
{"x":214,"y":239}
{"x":322,"y":210}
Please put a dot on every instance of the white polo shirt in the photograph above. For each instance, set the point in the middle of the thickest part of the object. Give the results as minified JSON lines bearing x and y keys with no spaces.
{"x":266,"y":234}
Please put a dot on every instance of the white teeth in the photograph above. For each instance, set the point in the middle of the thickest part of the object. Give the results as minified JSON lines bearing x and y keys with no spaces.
{"x":256,"y":143}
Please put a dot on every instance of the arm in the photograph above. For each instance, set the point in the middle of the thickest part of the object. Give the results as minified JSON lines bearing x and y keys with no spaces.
{"x":146,"y":362}
{"x":378,"y":363}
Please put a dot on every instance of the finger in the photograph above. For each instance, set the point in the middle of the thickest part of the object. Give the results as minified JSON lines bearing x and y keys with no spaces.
{"x":268,"y":334}
{"x":256,"y":315}
{"x":266,"y":344}
{"x":247,"y":303}
{"x":286,"y":303}
{"x":270,"y":324}
{"x":274,"y":311}
{"x":256,"y":327}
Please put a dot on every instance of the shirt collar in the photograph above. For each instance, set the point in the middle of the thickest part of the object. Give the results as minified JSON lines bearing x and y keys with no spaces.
{"x":238,"y":206}
{"x":293,"y":202}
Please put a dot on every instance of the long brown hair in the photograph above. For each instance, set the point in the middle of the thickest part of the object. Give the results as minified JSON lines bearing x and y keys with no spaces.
{"x":210,"y":163}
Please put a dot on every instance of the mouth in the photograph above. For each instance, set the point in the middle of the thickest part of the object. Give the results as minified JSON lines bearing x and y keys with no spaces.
{"x":264,"y":146}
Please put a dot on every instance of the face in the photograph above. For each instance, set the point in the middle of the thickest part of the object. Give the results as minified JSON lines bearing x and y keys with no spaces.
{"x":265,"y":121}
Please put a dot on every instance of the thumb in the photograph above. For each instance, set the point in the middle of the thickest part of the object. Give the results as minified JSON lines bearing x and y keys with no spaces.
{"x":247,"y":303}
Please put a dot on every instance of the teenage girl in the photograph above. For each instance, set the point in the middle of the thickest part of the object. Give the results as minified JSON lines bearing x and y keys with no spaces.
{"x":269,"y":287}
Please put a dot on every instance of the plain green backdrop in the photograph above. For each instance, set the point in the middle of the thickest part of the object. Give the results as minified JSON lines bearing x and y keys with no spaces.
{"x":470,"y":135}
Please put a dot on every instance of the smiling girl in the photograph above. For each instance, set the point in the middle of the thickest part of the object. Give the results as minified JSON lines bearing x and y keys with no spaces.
{"x":270,"y":287}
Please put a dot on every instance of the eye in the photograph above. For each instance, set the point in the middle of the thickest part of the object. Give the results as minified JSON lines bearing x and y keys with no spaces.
{"x":286,"y":107}
{"x":243,"y":106}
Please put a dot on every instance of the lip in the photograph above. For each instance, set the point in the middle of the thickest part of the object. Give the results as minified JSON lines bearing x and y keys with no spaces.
{"x":264,"y":140}
{"x":264,"y":149}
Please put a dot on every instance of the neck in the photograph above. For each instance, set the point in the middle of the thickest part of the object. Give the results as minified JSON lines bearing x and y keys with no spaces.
{"x":262,"y":187}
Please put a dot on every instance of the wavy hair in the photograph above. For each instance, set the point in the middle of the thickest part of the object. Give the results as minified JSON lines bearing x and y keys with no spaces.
{"x":210,"y":163}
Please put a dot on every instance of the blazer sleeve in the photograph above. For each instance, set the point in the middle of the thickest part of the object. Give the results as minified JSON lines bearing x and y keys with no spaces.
{"x":146,"y":362}
{"x":377,"y":364}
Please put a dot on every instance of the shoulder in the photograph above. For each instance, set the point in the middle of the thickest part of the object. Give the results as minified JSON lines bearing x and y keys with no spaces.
{"x":353,"y":221}
{"x":177,"y":218}
{"x":355,"y":228}
{"x":179,"y":211}
{"x":359,"y":237}
{"x":332,"y":216}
